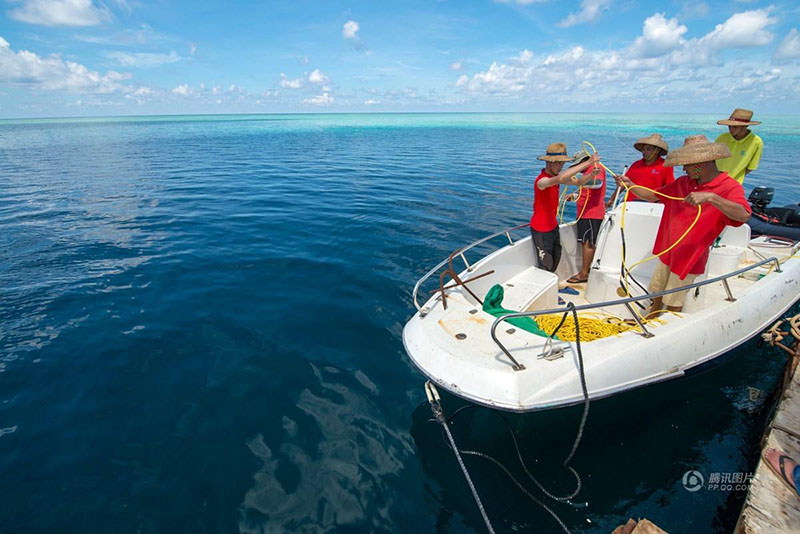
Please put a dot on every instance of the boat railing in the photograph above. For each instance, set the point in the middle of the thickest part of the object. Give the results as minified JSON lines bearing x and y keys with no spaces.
{"x":460,"y":252}
{"x":627,"y":302}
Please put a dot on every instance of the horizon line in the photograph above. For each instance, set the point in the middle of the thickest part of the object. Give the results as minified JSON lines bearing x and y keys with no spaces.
{"x":375,"y":113}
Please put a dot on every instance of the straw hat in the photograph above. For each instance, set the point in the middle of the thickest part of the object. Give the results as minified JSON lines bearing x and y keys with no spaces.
{"x":556,"y":152}
{"x":652,"y":140}
{"x":739,"y":117}
{"x":696,"y":149}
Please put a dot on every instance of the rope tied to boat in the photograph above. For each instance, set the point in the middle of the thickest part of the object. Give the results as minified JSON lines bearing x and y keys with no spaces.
{"x":436,"y":407}
{"x":438,"y":413}
{"x":775,"y":336}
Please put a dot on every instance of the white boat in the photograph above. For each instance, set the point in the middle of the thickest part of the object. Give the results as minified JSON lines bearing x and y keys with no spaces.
{"x":748,"y":284}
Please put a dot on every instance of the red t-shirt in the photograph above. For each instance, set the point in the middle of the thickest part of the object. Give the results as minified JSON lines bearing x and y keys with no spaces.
{"x":545,"y":205}
{"x":593,"y":198}
{"x":691,"y":254}
{"x":652,"y":176}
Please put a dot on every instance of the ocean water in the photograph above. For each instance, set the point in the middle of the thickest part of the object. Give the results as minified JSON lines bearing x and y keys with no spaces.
{"x":200,"y":330}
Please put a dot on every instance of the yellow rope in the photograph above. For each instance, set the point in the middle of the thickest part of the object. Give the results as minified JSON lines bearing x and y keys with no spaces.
{"x":781,"y":262}
{"x":593,"y":326}
{"x":626,"y":270}
{"x":597,"y":325}
{"x":562,"y":203}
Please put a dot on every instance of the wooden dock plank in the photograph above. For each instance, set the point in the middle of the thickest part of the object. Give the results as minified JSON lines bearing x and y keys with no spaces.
{"x":788,"y":416}
{"x":771,"y":506}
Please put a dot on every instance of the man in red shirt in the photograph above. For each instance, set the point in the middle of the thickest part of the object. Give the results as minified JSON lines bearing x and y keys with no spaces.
{"x":544,"y":225}
{"x":723,"y":204}
{"x":650,"y":170}
{"x":591,"y":211}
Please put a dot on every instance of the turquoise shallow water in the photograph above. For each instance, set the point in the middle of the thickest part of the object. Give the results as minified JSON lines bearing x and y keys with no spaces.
{"x":201,"y":316}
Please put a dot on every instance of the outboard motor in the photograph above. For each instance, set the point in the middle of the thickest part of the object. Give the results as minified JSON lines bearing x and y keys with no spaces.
{"x":760,"y":197}
{"x":781,"y":222}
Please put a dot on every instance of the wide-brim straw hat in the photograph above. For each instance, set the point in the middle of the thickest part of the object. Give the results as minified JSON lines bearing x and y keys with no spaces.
{"x":739,"y":117}
{"x":652,"y":140}
{"x":696,"y":149}
{"x":556,"y":152}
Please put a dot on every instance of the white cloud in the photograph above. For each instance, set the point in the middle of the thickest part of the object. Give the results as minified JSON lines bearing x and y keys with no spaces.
{"x":325,"y":99}
{"x":458,"y":65}
{"x":659,"y":36}
{"x":183,"y":90}
{"x":350,"y":29}
{"x":789,"y":47}
{"x":145,"y":34}
{"x":317,"y":77}
{"x":756,"y":80}
{"x":52,"y":73}
{"x":140,"y":95}
{"x":350,"y":32}
{"x":742,"y":30}
{"x":372,"y":102}
{"x":143,"y":59}
{"x":60,"y":13}
{"x":590,"y":11}
{"x":286,"y":83}
{"x":525,"y":56}
{"x":661,"y":63}
{"x":192,"y":49}
{"x":499,"y":79}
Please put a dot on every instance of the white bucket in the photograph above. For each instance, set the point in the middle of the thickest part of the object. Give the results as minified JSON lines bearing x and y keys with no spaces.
{"x":723,"y":260}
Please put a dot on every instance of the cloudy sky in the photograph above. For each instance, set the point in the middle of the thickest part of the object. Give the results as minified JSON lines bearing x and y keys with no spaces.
{"x":132,"y":57}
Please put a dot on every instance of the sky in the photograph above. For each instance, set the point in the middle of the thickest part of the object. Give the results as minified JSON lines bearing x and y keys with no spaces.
{"x":64,"y":58}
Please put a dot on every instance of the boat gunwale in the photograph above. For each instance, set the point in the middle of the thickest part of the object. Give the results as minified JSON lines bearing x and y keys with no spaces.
{"x":461,"y":252}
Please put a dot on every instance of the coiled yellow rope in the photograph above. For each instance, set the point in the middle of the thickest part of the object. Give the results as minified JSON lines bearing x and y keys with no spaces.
{"x":593,"y":326}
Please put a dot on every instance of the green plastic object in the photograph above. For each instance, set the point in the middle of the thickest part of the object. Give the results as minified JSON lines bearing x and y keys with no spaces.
{"x":493,"y":304}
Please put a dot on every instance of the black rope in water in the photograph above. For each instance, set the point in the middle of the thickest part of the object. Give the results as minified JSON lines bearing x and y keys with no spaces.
{"x":439,"y":417}
{"x":438,"y":412}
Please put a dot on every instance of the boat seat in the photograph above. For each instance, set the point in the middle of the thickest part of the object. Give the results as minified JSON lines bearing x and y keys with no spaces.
{"x":724,"y":257}
{"x":531,"y":289}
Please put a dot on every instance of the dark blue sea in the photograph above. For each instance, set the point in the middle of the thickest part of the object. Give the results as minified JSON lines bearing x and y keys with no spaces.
{"x":200,"y":331}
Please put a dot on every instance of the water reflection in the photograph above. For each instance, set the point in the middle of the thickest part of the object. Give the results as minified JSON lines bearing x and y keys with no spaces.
{"x":337,"y":479}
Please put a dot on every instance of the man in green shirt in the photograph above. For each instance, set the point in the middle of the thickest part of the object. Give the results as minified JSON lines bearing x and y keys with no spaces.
{"x":745,"y":146}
